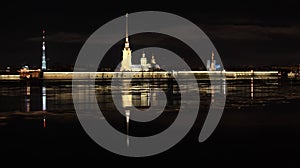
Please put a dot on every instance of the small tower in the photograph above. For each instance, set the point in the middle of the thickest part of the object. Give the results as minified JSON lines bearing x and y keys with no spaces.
{"x":213,"y":62}
{"x":126,"y":60}
{"x":153,"y":64}
{"x":143,"y":60}
{"x":153,"y":59}
{"x":44,"y":65}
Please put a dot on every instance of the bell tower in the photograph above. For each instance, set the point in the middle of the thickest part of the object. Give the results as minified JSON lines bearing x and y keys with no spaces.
{"x":126,"y":59}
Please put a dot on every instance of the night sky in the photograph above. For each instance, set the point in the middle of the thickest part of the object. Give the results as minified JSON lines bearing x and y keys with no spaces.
{"x":250,"y":33}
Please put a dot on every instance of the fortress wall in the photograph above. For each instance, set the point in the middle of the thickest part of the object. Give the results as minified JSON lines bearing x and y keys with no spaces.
{"x":9,"y":77}
{"x":158,"y":75}
{"x":103,"y":75}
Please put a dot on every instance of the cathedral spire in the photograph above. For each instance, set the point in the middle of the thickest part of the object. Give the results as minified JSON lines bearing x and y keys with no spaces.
{"x":126,"y":25}
{"x":213,"y":61}
{"x":126,"y":61}
{"x":126,"y":35}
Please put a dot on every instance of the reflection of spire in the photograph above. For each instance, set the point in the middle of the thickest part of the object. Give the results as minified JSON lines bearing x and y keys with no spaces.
{"x":224,"y":87}
{"x":44,"y":100}
{"x":252,"y":89}
{"x":212,"y":87}
{"x":44,"y":122}
{"x":127,"y":114}
{"x":44,"y":105}
{"x":27,"y":97}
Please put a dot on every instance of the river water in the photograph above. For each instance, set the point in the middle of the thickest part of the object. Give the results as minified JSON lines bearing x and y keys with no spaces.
{"x":260,"y":120}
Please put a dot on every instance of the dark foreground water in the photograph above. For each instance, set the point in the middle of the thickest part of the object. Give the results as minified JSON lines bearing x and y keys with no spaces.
{"x":260,"y":123}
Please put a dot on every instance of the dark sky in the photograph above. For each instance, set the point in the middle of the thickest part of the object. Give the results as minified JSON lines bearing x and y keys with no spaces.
{"x":244,"y":32}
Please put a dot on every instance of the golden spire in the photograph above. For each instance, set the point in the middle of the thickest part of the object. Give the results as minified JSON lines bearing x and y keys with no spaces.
{"x":126,"y":35}
{"x":126,"y":25}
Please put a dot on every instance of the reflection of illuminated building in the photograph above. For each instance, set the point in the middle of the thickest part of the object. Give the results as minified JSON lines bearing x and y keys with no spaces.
{"x":212,"y":91}
{"x":127,"y":114}
{"x":141,"y":95}
{"x":26,"y":95}
{"x":252,"y":89}
{"x":215,"y":90}
{"x":126,"y":95}
{"x":224,"y":86}
{"x":127,"y":100}
{"x":44,"y":122}
{"x":145,"y":101}
{"x":134,"y":96}
{"x":44,"y":103}
{"x":141,"y":99}
{"x":137,"y":96}
{"x":27,"y":99}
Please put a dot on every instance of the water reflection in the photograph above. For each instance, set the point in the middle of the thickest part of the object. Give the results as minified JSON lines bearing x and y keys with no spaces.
{"x":127,"y":114}
{"x":44,"y":121}
{"x":26,"y":97}
{"x":44,"y":98}
{"x":224,"y":86}
{"x":252,"y":89}
{"x":48,"y":97}
{"x":57,"y":95}
{"x":137,"y":95}
{"x":32,"y":94}
{"x":218,"y":88}
{"x":140,"y":94}
{"x":126,"y":95}
{"x":142,"y":100}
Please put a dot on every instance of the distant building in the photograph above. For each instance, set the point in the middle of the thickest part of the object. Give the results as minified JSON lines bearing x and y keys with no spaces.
{"x":211,"y":64}
{"x":126,"y":64}
{"x":27,"y":73}
{"x":286,"y":68}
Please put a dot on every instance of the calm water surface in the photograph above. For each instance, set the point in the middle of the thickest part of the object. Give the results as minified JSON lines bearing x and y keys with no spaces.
{"x":38,"y":119}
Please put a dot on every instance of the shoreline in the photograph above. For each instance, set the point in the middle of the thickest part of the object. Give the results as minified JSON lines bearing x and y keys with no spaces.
{"x":148,"y":75}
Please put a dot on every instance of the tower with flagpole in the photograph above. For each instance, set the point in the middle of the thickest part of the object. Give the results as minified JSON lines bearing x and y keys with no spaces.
{"x":211,"y":64}
{"x":213,"y":61}
{"x":44,"y":65}
{"x":126,"y":62}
